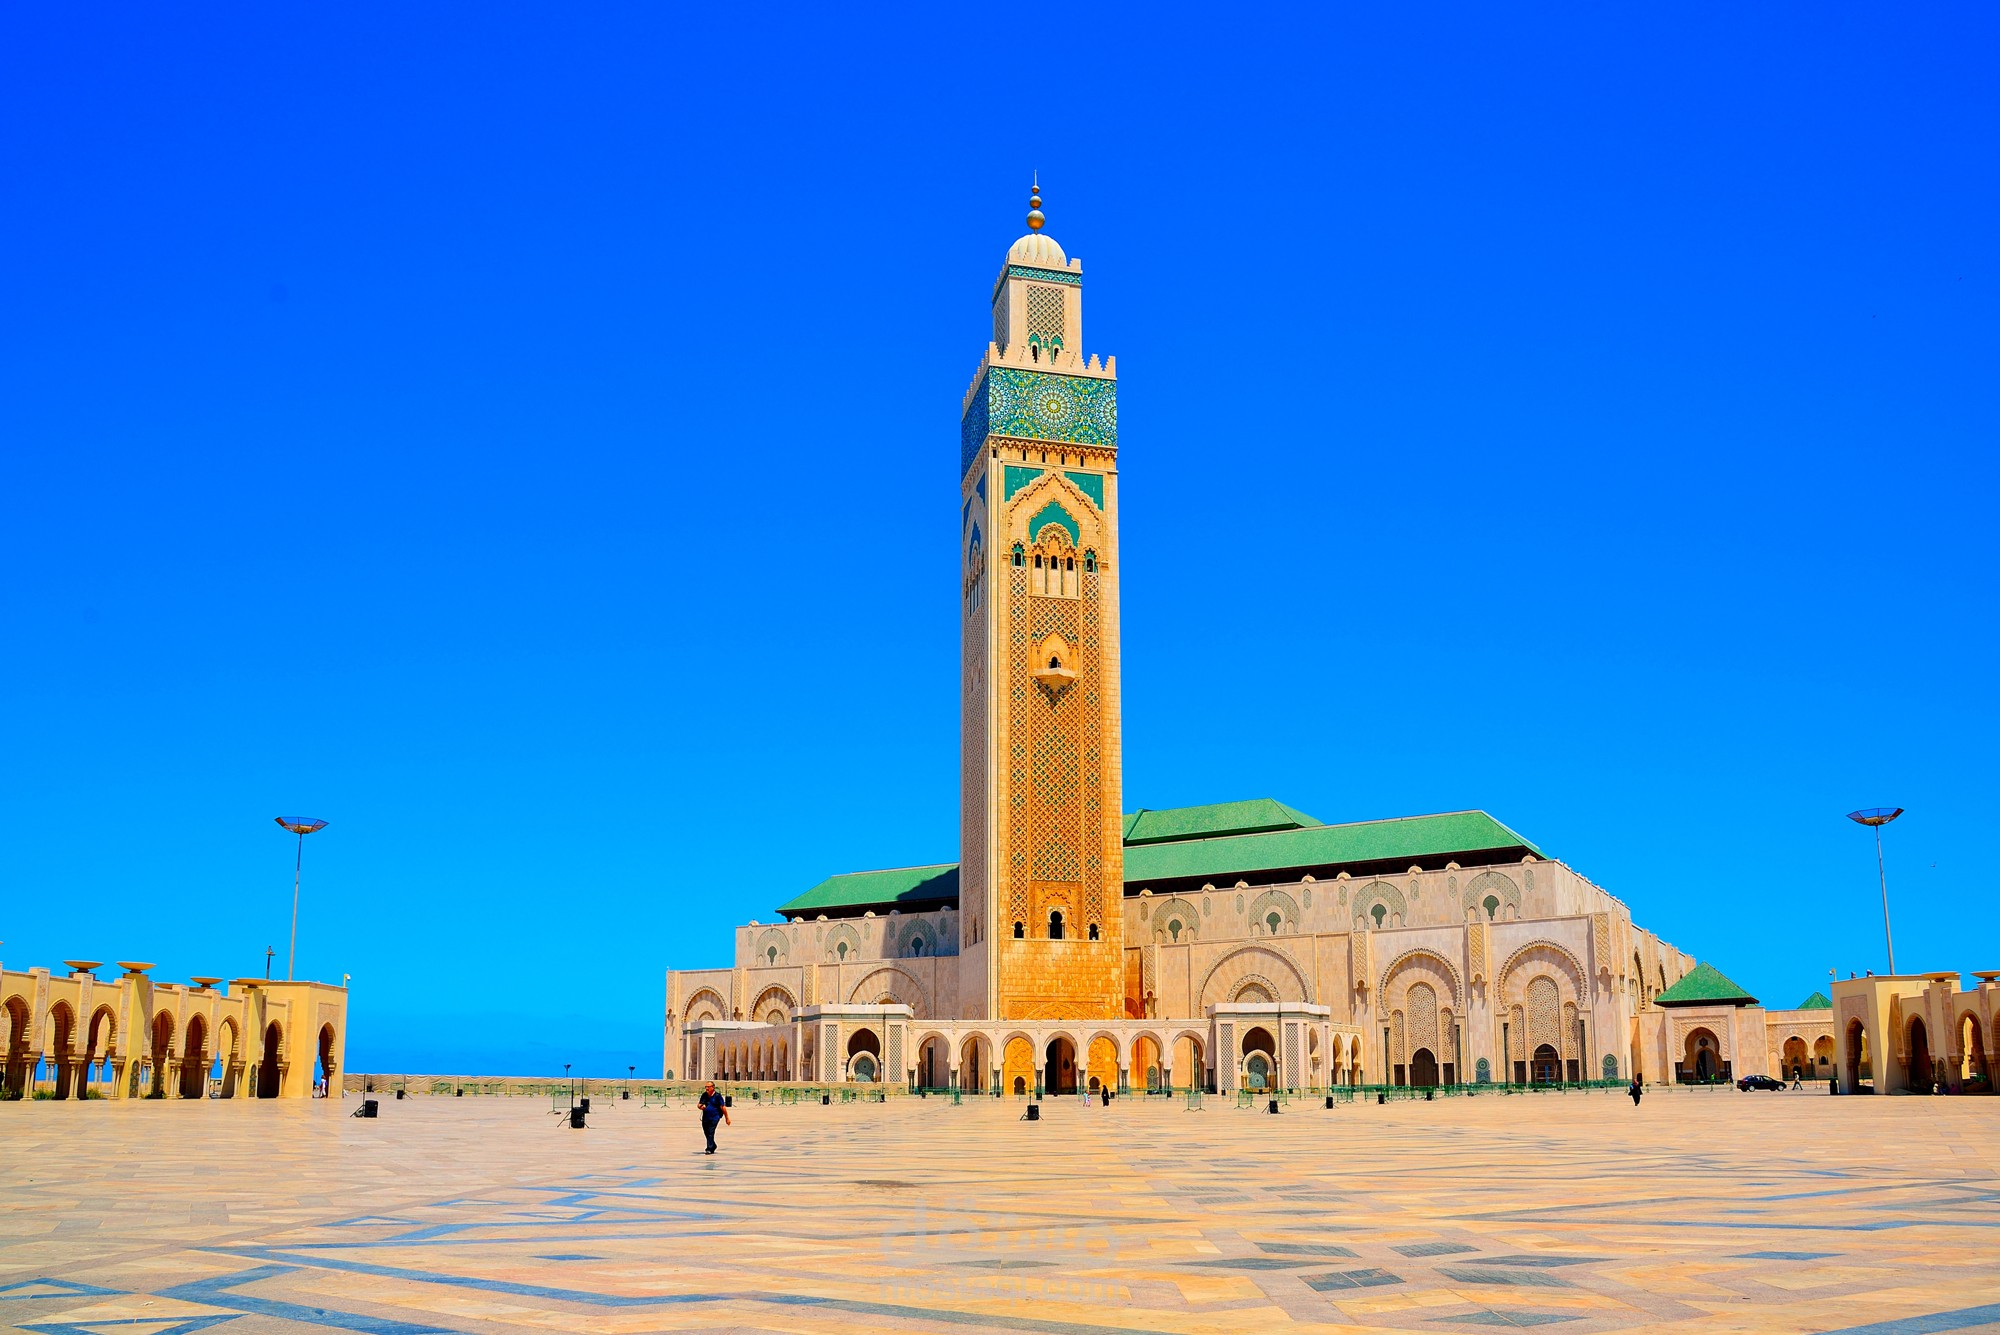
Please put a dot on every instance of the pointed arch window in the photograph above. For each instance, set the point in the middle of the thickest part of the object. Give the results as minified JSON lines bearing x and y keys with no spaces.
{"x":1020,"y":556}
{"x":1055,"y":925}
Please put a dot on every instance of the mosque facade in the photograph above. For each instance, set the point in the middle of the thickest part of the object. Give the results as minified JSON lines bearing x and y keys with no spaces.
{"x":1080,"y":944}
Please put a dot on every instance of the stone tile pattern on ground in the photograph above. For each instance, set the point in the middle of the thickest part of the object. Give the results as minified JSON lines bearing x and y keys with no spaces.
{"x":1780,"y":1213}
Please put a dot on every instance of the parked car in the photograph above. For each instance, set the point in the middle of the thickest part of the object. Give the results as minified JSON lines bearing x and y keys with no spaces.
{"x":1750,"y":1082}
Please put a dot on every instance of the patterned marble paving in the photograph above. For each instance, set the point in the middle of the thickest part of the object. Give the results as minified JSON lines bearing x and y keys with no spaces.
{"x":1696,"y":1211}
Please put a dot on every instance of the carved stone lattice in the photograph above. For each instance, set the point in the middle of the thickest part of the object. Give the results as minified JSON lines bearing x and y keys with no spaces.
{"x":1045,"y":313}
{"x":1422,"y":1010}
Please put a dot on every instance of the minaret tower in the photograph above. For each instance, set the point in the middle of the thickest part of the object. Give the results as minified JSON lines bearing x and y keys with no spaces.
{"x":1041,"y":877}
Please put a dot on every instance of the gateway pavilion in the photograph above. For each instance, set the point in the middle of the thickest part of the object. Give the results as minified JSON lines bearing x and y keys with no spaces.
{"x":1236,"y":946}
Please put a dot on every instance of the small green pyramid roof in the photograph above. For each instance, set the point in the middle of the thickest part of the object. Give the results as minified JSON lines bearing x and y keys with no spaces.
{"x":1705,"y":985}
{"x":1818,"y":1001}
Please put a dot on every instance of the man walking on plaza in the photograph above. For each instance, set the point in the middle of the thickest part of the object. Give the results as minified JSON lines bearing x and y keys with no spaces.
{"x":1638,"y":1089}
{"x":712,"y":1111}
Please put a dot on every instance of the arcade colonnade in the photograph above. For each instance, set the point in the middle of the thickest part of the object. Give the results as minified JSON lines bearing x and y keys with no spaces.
{"x":1519,"y":1003}
{"x":75,"y":1036}
{"x":1252,"y":1046}
{"x":1913,"y":1032}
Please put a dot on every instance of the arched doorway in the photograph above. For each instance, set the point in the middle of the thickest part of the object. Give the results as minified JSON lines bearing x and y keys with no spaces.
{"x":1059,"y":1065}
{"x":1424,"y":1068}
{"x":194,"y":1061}
{"x":933,"y":1064}
{"x":1187,"y":1067}
{"x":267,"y":1071}
{"x":1795,"y":1060}
{"x":1973,"y":1044}
{"x":864,"y":1056}
{"x":975,"y":1055}
{"x":1018,"y":1075}
{"x":1917,"y":1070}
{"x":62,"y":1035}
{"x":17,"y":1048}
{"x":1823,"y":1056}
{"x":226,"y":1041}
{"x":1858,"y":1066}
{"x":97,"y":1044}
{"x":1146,"y":1062}
{"x":1260,"y":1058}
{"x":1701,"y":1059}
{"x":163,"y":1043}
{"x":1545,"y":1067}
{"x":1102,"y":1067}
{"x":326,"y":1059}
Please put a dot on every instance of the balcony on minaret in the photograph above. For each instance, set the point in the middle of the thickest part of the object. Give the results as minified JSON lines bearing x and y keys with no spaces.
{"x":1052,"y":664}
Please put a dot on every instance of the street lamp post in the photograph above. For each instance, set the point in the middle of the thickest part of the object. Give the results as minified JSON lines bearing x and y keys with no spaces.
{"x":300,"y":826}
{"x":1875,"y":818}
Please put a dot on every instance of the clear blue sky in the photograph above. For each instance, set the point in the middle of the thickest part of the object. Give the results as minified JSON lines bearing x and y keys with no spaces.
{"x":527,"y":440}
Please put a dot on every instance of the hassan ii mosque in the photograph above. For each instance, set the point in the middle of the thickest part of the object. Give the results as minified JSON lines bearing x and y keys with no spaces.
{"x":1081,"y":944}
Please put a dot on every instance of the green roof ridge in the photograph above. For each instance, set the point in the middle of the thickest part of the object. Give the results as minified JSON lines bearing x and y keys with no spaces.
{"x":892,"y":887}
{"x":1818,"y":1001}
{"x":1705,"y":985}
{"x":1174,"y":847}
{"x":1398,"y":839}
{"x":1253,"y":815}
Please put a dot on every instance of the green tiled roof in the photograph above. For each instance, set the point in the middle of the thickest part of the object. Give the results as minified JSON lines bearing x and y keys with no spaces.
{"x":1256,"y":816}
{"x":1818,"y":1001}
{"x":1705,"y":985}
{"x":900,"y":887}
{"x":1405,"y":839}
{"x":1227,"y":839}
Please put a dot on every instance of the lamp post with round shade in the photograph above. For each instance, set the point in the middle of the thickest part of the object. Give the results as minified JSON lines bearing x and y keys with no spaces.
{"x":1875,"y":818}
{"x":300,"y":826}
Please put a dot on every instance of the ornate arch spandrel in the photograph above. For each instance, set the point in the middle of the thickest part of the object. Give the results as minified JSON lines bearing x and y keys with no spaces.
{"x":1577,"y":977}
{"x":1440,"y":965}
{"x":1240,"y":958}
{"x":901,"y":985}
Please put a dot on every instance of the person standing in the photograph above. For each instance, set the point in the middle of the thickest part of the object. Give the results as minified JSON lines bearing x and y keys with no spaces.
{"x":1637,"y":1091}
{"x":713,"y":1110}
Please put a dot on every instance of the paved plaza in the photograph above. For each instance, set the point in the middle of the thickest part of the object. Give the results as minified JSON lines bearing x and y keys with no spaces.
{"x":1712,"y":1210}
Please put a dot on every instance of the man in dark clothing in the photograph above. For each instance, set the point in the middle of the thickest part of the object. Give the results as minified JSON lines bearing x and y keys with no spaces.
{"x":712,"y":1111}
{"x":1636,"y":1091}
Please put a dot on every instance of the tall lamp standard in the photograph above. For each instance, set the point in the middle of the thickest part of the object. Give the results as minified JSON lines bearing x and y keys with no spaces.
{"x":1875,"y":818}
{"x":300,"y":826}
